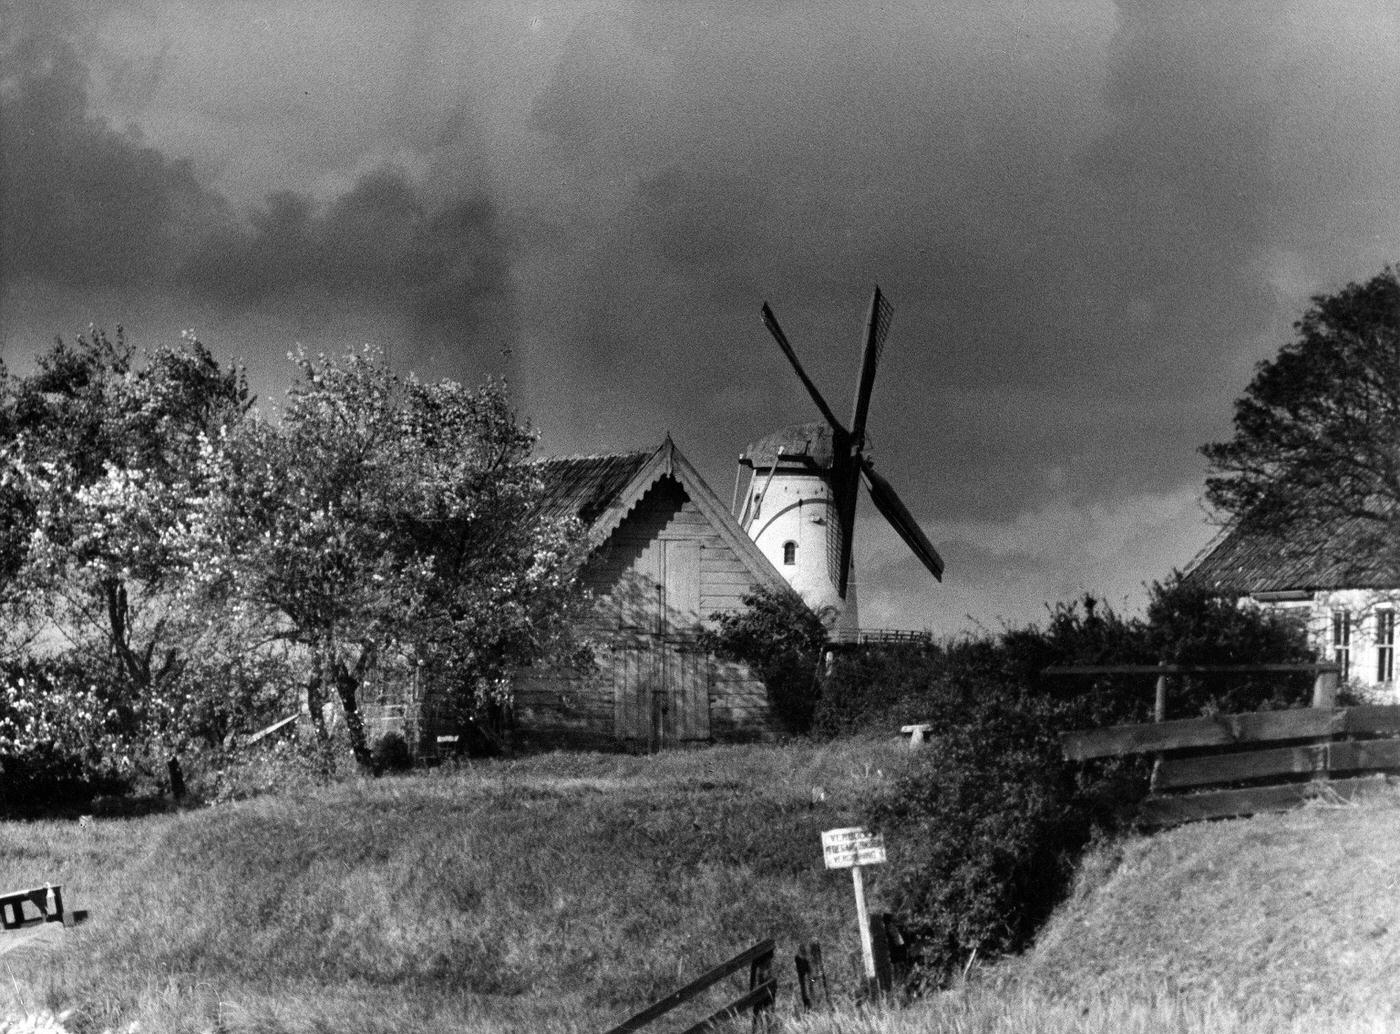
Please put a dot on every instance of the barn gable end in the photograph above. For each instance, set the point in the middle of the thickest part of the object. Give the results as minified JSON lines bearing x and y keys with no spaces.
{"x":668,"y":555}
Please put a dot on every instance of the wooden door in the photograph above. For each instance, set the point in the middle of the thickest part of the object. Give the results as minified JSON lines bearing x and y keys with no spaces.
{"x":661,"y":681}
{"x":637,"y":687}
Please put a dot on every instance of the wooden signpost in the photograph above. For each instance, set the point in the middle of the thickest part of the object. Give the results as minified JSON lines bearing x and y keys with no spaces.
{"x":851,"y":848}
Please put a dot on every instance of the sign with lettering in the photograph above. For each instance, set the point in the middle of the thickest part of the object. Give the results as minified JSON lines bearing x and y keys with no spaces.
{"x":852,"y":846}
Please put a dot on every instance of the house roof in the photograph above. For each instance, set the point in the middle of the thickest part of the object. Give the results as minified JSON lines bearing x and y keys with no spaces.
{"x":602,"y":490}
{"x":1239,"y":563}
{"x":584,"y":486}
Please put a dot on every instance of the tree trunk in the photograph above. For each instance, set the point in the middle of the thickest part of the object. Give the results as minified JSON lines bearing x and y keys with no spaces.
{"x":177,"y":777}
{"x":316,"y":693}
{"x":348,"y":686}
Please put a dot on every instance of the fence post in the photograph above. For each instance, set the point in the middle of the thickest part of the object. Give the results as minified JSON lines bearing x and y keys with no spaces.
{"x":1325,"y":689}
{"x":1159,"y":714}
{"x":811,"y":974}
{"x":760,"y":972}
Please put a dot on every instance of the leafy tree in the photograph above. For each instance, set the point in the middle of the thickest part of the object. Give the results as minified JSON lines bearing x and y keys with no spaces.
{"x":781,"y":639}
{"x":100,"y":459}
{"x":387,"y":522}
{"x":1315,"y":438}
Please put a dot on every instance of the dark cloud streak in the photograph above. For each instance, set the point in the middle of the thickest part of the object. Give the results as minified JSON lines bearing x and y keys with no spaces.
{"x":88,"y":207}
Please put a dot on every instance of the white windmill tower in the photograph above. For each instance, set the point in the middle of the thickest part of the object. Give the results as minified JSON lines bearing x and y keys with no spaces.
{"x":800,"y":504}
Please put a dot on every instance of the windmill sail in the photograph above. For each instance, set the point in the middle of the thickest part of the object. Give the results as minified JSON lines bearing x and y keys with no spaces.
{"x":882,"y":494}
{"x":771,"y":322}
{"x":876,"y":330}
{"x":848,"y":461}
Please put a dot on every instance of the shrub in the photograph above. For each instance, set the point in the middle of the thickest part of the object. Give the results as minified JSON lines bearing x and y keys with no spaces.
{"x":391,"y":754}
{"x":781,"y":639}
{"x":61,"y":737}
{"x":988,"y":821}
{"x":989,"y":826}
{"x":286,"y":766}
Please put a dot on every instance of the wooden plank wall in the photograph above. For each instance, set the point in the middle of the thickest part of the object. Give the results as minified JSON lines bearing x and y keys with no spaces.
{"x":666,"y":538}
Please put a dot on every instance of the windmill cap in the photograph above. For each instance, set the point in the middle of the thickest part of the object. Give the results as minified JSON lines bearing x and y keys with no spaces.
{"x":799,"y":445}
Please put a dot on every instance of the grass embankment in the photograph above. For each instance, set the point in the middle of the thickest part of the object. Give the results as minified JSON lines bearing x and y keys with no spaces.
{"x":554,"y":893}
{"x":1270,"y":925}
{"x":560,"y":893}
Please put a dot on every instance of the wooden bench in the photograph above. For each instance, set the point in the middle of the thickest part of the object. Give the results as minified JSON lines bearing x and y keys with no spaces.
{"x":916,"y":733}
{"x":48,"y":899}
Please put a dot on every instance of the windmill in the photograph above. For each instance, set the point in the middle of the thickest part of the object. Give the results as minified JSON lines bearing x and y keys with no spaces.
{"x":805,"y":484}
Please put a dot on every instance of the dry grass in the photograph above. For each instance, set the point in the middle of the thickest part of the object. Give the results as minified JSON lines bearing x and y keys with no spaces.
{"x":556,"y":893}
{"x":1023,"y":1011}
{"x":1283,"y":913}
{"x":562,"y":892}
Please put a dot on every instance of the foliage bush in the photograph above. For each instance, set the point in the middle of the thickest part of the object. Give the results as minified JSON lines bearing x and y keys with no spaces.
{"x":781,"y":639}
{"x":61,"y":736}
{"x":287,"y":767}
{"x":391,"y":753}
{"x":876,"y":689}
{"x":987,"y":822}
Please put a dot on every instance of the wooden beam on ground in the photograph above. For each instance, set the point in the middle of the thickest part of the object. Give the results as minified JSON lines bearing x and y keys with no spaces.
{"x":693,"y":988}
{"x":1223,"y":730}
{"x":271,"y":730}
{"x":763,"y":994}
{"x":1222,"y":804}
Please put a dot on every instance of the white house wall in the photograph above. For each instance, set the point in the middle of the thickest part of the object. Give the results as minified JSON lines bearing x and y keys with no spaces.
{"x":1363,"y":652}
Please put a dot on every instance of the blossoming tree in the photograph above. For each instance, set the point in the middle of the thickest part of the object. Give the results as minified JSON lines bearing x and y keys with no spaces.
{"x":389,"y":520}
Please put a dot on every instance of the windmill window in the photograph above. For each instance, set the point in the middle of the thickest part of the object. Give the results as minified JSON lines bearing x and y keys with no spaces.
{"x":789,"y":553}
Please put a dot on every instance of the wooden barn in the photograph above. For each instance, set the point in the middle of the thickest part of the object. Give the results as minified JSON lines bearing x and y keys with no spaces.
{"x":668,"y":554}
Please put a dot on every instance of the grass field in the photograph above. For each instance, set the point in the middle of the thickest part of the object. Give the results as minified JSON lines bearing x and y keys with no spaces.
{"x":562,"y":892}
{"x":557,"y":893}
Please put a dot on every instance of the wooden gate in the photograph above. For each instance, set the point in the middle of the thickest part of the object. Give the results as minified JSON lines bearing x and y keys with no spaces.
{"x":661,"y":691}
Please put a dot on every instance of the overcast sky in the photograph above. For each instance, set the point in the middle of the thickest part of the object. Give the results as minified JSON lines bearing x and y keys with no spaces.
{"x":1093,"y":220}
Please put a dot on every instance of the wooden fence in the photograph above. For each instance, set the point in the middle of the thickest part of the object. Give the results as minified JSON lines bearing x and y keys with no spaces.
{"x":1231,"y":765}
{"x":763,"y":989}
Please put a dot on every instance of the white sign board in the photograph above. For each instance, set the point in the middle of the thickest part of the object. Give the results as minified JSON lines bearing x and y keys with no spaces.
{"x":851,"y":846}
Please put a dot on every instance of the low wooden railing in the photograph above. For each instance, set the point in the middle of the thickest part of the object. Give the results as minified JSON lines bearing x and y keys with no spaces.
{"x":1272,"y":748}
{"x":763,"y":989}
{"x":1229,"y":765}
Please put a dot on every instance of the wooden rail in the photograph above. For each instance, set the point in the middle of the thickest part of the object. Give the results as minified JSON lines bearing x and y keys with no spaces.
{"x":1224,"y":730}
{"x":1275,"y":746}
{"x":762,"y":992}
{"x":1225,"y":804}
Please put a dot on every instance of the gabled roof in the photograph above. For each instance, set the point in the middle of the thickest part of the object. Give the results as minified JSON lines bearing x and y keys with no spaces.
{"x":1239,"y":563}
{"x":602,"y":490}
{"x":584,"y":486}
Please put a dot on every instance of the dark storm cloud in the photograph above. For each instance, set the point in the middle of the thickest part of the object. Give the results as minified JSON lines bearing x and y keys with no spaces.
{"x":83,"y":204}
{"x":447,"y":266}
{"x":1079,"y":226}
{"x":87,"y":206}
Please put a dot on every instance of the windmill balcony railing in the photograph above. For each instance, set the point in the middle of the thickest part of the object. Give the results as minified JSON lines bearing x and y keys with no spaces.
{"x":878,"y":636}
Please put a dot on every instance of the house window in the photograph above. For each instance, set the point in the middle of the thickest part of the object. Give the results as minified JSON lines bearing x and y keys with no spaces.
{"x":1385,"y":646}
{"x":1341,"y":640}
{"x":789,"y":553}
